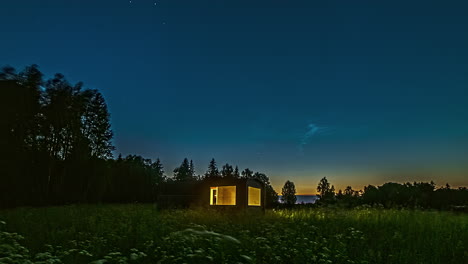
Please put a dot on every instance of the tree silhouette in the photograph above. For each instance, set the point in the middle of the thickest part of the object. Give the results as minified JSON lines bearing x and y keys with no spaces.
{"x":212,"y":171}
{"x":227,"y":171}
{"x":327,"y":193}
{"x":192,"y":170}
{"x":63,"y":131}
{"x":158,"y":172}
{"x":8,"y":73}
{"x":63,"y":113}
{"x":183,"y":172}
{"x":236,"y":173}
{"x":323,"y":187}
{"x":272,"y":197}
{"x":289,"y":193}
{"x":349,"y":191}
{"x":22,"y":174}
{"x":96,"y":124}
{"x":247,"y":174}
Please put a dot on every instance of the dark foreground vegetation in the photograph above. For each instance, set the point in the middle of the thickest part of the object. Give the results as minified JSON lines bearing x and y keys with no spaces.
{"x":141,"y":234}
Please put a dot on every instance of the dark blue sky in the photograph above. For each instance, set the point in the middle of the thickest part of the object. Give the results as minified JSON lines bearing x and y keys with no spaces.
{"x":361,"y":92}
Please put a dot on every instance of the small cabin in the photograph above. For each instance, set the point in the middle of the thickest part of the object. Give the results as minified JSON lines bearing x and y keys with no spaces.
{"x":221,"y":193}
{"x":240,"y":193}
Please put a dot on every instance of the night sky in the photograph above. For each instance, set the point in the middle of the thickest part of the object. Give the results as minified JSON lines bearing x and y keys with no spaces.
{"x":362,"y":92}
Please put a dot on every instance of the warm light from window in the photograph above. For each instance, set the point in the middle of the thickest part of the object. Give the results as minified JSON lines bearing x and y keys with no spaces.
{"x":254,"y":196}
{"x":223,"y":195}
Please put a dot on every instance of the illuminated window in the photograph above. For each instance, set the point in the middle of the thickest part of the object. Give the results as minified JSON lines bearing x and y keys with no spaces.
{"x":223,"y":195}
{"x":254,"y":196}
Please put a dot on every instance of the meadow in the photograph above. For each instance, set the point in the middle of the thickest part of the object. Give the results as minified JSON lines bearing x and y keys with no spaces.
{"x":135,"y":233}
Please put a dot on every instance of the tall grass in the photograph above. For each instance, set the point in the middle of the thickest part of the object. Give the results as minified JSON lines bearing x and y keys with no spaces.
{"x":142,"y":234}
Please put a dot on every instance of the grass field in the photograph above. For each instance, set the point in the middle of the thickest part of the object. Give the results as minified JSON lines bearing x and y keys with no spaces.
{"x":141,"y":234}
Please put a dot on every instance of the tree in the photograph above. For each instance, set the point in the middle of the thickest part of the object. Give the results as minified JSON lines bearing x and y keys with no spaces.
{"x":96,"y":124}
{"x":227,"y":171}
{"x":19,"y":134}
{"x":289,"y":193}
{"x":192,"y":170}
{"x":20,"y":112}
{"x":327,"y":193}
{"x":236,"y":173}
{"x":272,"y":197}
{"x":8,"y":73}
{"x":212,"y":171}
{"x":158,"y":172}
{"x":349,"y":191}
{"x":371,"y":195}
{"x":323,"y":187}
{"x":31,"y":78}
{"x":247,"y":174}
{"x":134,"y":180}
{"x":183,"y":172}
{"x":339,"y":195}
{"x":262,"y":177}
{"x":348,"y":198}
{"x":63,"y":117}
{"x":331,"y":194}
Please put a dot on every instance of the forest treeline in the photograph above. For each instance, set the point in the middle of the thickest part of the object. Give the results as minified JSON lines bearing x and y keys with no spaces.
{"x":423,"y":195}
{"x":56,"y":148}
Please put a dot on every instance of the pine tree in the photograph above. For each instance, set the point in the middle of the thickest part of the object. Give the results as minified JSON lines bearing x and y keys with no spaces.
{"x":158,"y":172}
{"x":212,"y":171}
{"x":236,"y":173}
{"x":192,"y":169}
{"x":182,"y":173}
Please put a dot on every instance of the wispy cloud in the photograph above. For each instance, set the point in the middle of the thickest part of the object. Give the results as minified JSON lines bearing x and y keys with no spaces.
{"x":312,"y":130}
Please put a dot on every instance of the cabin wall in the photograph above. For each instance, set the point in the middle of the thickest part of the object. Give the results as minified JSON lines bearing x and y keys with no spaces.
{"x":242,"y":196}
{"x":197,"y":194}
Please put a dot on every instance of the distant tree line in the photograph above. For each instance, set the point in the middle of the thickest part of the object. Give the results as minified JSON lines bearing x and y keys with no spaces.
{"x":56,"y":148}
{"x":394,"y":195}
{"x":389,"y":195}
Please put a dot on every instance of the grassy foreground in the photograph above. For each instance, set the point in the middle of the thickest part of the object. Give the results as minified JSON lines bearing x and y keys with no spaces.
{"x":141,"y":234}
